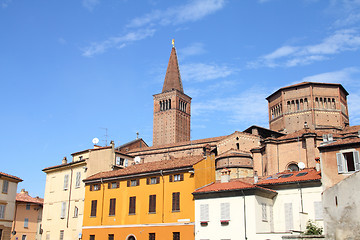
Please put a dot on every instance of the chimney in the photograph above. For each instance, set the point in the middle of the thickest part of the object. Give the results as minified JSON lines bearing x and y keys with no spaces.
{"x":225,"y":175}
{"x":64,"y":161}
{"x":112,"y":144}
{"x":317,"y":166}
{"x":306,"y":126}
{"x":256,"y":177}
{"x":255,"y":131}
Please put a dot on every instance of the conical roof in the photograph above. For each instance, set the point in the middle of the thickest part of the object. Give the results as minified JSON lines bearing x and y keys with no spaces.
{"x":172,"y":77}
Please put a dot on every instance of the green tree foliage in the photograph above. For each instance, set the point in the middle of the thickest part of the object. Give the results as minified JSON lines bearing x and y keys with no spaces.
{"x":312,"y":229}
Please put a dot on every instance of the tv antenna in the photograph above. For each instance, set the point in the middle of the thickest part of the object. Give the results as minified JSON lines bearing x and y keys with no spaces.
{"x":106,"y":135}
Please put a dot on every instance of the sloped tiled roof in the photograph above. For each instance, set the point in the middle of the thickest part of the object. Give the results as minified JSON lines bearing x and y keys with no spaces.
{"x":350,"y":129}
{"x":291,"y":177}
{"x":63,"y":165}
{"x":24,"y":197}
{"x":149,"y":167}
{"x":234,"y":184}
{"x":341,"y":142}
{"x":180,"y":144}
{"x":10,"y":176}
{"x":301,"y":132}
{"x":234,"y":153}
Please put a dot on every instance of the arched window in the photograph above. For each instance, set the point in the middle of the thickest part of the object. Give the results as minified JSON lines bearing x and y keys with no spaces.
{"x":169,"y":103}
{"x":306,"y":103}
{"x":293,"y":167}
{"x":316,"y":102}
{"x":161,"y":106}
{"x":333,"y":105}
{"x":288,"y":107}
{"x":297,"y":105}
{"x":301,"y":104}
{"x":321,"y":103}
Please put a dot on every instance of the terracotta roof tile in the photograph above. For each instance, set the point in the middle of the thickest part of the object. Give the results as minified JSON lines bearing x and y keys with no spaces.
{"x":10,"y":176}
{"x":308,"y":174}
{"x":234,"y":153}
{"x":173,"y":145}
{"x":149,"y":167}
{"x":233,"y":184}
{"x":350,"y":129}
{"x":341,"y":142}
{"x":299,"y":133}
{"x":63,"y":165}
{"x":24,"y":197}
{"x":172,"y":77}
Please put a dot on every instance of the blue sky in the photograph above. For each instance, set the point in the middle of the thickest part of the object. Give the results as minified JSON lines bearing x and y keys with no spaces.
{"x":70,"y":69}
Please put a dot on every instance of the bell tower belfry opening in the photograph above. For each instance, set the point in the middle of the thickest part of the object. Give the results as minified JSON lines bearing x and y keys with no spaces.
{"x":172,"y":107}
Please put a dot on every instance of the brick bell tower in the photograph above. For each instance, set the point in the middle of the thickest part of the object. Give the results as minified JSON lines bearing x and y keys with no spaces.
{"x":171,"y":107}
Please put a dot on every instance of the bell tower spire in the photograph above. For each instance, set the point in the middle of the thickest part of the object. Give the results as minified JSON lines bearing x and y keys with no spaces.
{"x":172,"y":77}
{"x":171,"y":107}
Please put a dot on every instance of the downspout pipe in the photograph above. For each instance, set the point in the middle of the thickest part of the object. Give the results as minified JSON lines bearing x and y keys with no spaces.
{"x":244,"y":215}
{"x":163,"y":196}
{"x":102,"y":202}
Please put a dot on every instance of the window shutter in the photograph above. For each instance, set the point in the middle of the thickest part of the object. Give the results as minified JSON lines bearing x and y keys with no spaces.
{"x":340,"y":165}
{"x":147,"y":181}
{"x":288,"y":217}
{"x":181,"y":177}
{"x":318,"y":210}
{"x":2,"y":211}
{"x":63,"y":209}
{"x":128,"y":183}
{"x":204,"y":212}
{"x":66,"y":181}
{"x":170,"y":178}
{"x":109,"y":185}
{"x":132,"y":205}
{"x":176,"y":201}
{"x":78,"y":179}
{"x":93,"y":208}
{"x":225,"y":211}
{"x":137,"y":182}
{"x":112,"y":206}
{"x":5,"y":186}
{"x":157,"y":179}
{"x":356,"y":160}
{"x":152,"y":203}
{"x":117,"y":184}
{"x":91,"y":187}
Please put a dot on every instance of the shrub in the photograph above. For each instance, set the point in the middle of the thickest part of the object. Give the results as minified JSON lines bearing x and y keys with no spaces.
{"x":312,"y":229}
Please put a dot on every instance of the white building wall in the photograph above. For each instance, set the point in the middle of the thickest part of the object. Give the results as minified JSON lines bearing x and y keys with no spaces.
{"x":256,"y":228}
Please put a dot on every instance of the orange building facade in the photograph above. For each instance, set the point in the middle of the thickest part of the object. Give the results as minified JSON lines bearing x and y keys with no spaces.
{"x":28,"y":217}
{"x":146,"y":200}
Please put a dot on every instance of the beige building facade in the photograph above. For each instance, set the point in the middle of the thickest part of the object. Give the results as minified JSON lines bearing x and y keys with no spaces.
{"x":65,"y":190}
{"x":8,"y":188}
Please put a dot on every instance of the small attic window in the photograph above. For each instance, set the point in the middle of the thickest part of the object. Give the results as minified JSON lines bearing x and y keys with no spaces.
{"x":301,"y":174}
{"x":286,"y":175}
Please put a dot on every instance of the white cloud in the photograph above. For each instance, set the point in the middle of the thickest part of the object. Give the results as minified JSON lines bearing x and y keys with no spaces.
{"x":343,"y":76}
{"x":148,"y":24}
{"x":190,"y":12}
{"x":200,"y":72}
{"x":354,"y":108}
{"x":118,"y":42}
{"x":193,"y":49}
{"x":291,"y":56}
{"x":5,"y":3}
{"x":348,"y":12}
{"x":90,"y":4}
{"x":247,"y":108}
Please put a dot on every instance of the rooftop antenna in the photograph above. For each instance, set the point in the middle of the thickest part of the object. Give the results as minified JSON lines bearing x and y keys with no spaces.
{"x":106,"y":135}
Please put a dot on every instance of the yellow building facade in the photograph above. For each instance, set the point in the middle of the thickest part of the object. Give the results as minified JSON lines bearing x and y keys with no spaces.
{"x":146,"y":201}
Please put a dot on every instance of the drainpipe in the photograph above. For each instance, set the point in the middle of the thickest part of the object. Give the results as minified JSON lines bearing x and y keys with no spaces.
{"x":244,"y":215}
{"x":67,"y":220}
{"x":102,"y":202}
{"x":163,"y":196}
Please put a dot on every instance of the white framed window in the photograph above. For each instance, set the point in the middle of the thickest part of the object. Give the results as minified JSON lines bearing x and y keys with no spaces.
{"x":5,"y":186}
{"x":2,"y":211}
{"x":153,"y":180}
{"x":225,"y":211}
{"x":26,"y":223}
{"x":177,"y":177}
{"x":119,"y":161}
{"x":78,"y":180}
{"x":348,"y":161}
{"x":63,"y":210}
{"x":204,"y":212}
{"x":66,"y":181}
{"x":264,"y":212}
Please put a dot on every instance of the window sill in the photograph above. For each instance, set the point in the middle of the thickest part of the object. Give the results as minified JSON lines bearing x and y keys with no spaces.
{"x":131,"y":214}
{"x":175,"y":211}
{"x":152,"y":212}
